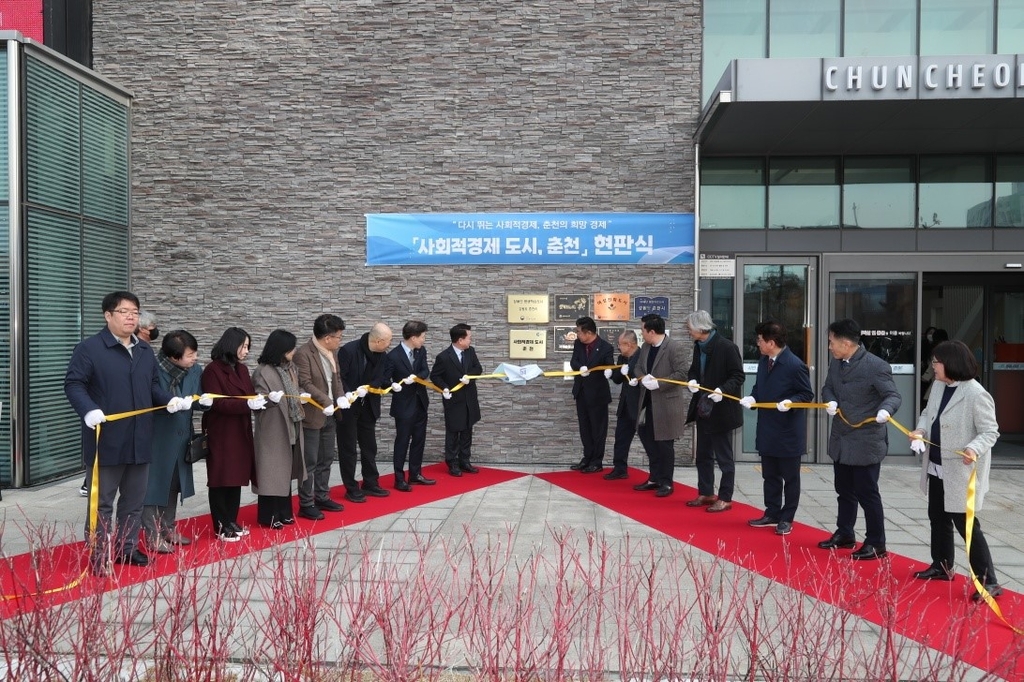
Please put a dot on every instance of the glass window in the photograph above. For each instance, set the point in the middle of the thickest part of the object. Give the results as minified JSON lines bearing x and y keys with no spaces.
{"x":878,"y":192}
{"x":1010,"y":31}
{"x":880,"y":27}
{"x":733,"y":29}
{"x":798,"y":28}
{"x":955,"y":191}
{"x":732,"y":193}
{"x":1010,"y":191}
{"x":803,"y":192}
{"x":957,"y":27}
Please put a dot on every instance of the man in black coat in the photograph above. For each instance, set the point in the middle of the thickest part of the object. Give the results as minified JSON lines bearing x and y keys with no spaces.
{"x":591,"y":393}
{"x":362,"y":362}
{"x":716,"y":363}
{"x":462,"y":407}
{"x":629,"y":404}
{"x":409,"y":401}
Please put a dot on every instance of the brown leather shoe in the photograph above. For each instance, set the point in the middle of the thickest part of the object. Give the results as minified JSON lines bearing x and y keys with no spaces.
{"x":719,"y":506}
{"x":702,"y":500}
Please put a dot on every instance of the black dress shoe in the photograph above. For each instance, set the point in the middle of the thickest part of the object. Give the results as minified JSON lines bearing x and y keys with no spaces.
{"x":993,"y":590}
{"x":329,"y":505}
{"x":420,"y":479}
{"x":763,"y":522}
{"x":837,"y":541}
{"x":355,"y":496}
{"x":614,"y":475}
{"x":311,"y":513}
{"x":455,"y":471}
{"x":645,"y":486}
{"x":934,"y":573}
{"x":468,"y":468}
{"x":579,"y":465}
{"x":375,"y":491}
{"x":401,"y":486}
{"x":133,"y":558}
{"x":664,"y":491}
{"x":867,"y":551}
{"x":592,"y":469}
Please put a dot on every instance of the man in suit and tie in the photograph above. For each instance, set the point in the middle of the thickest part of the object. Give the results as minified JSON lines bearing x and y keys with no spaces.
{"x":782,"y":378}
{"x":362,"y":363}
{"x":461,"y":408}
{"x":409,"y":401}
{"x":591,"y":393}
{"x":629,"y":404}
{"x":661,"y":405}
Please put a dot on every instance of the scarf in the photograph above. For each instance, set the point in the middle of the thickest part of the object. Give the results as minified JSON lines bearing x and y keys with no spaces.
{"x":172,"y":370}
{"x":291,"y":391}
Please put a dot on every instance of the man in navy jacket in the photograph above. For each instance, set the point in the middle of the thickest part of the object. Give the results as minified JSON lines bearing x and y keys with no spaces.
{"x":109,"y":373}
{"x":452,"y":367}
{"x":407,"y":361}
{"x":591,"y":393}
{"x":782,"y":378}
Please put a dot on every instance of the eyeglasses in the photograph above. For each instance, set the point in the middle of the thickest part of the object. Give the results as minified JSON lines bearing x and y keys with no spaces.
{"x":126,"y":312}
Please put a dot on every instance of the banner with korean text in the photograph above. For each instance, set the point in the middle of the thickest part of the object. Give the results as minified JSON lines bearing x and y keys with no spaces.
{"x":528,"y":238}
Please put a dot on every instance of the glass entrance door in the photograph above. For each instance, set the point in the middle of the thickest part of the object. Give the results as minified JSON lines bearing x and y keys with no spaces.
{"x":783,"y":289}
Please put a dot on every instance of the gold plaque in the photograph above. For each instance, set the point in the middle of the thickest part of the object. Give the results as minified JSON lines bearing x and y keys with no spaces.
{"x":528,"y":308}
{"x":611,"y":307}
{"x":527,"y":344}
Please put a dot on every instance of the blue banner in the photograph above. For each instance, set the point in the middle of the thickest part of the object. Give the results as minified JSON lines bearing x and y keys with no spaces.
{"x":528,"y":238}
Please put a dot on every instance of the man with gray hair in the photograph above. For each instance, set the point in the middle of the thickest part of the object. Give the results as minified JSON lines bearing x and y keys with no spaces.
{"x":147,"y":330}
{"x":716,"y":363}
{"x":629,"y":404}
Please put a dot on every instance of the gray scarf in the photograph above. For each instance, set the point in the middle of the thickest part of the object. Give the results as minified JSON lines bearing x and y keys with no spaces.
{"x":285,"y":371}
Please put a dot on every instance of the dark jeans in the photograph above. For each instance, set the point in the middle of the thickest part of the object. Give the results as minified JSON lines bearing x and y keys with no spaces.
{"x":781,"y":486}
{"x":858,"y":485}
{"x":224,"y":502}
{"x":358,"y":426}
{"x":711,"y":448}
{"x":126,"y":482}
{"x":410,"y":439}
{"x":593,"y":421}
{"x":942,"y":524}
{"x":625,"y":429}
{"x":660,"y":453}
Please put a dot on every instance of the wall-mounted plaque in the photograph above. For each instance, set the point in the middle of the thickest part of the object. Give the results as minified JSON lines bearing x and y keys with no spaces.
{"x":527,"y":344}
{"x":611,"y":335}
{"x":572,"y":307}
{"x":528,"y":308}
{"x":565,"y":337}
{"x":645,"y":305}
{"x":612,"y":307}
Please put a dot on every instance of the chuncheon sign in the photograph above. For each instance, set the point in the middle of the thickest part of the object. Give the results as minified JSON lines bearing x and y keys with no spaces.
{"x":528,"y":238}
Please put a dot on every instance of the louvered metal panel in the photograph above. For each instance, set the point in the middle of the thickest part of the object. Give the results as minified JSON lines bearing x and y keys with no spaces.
{"x":105,"y":158}
{"x":52,"y":138}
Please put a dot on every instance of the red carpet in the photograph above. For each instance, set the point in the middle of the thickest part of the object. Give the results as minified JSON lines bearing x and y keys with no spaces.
{"x":25,"y":578}
{"x":883,"y":592}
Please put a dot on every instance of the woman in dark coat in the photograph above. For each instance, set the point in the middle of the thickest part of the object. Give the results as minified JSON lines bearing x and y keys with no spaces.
{"x":279,"y":442}
{"x":228,"y":426}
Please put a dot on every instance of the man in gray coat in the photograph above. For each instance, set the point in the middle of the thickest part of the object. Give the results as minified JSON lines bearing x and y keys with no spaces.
{"x":659,"y":421}
{"x":860,"y":388}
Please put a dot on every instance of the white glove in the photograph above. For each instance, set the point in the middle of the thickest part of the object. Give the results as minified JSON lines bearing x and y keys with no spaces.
{"x":607,"y":374}
{"x":464,"y":380}
{"x":206,"y":400}
{"x":584,"y":371}
{"x":185,"y":404}
{"x":693,"y":386}
{"x":409,"y":379}
{"x":305,"y":398}
{"x":748,"y":402}
{"x":650,"y":383}
{"x":633,"y":381}
{"x":919,"y":446}
{"x":329,"y":410}
{"x":716,"y":397}
{"x":624,"y":370}
{"x":446,"y":394}
{"x":257,"y":403}
{"x":174,"y":404}
{"x":275,"y":396}
{"x":832,"y":408}
{"x":396,"y":387}
{"x":882,"y":416}
{"x":361,"y":392}
{"x":342,"y":402}
{"x":94,"y":417}
{"x":783,"y":405}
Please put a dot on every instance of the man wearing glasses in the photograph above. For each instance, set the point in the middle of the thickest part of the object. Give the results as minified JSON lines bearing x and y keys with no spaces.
{"x":109,"y":373}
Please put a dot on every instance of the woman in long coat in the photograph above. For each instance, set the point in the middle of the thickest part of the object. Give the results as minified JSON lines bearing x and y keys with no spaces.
{"x":228,"y":426}
{"x":960,"y":418}
{"x":279,"y":441}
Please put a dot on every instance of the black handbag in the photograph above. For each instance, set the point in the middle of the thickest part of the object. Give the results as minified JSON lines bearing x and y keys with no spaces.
{"x":198,"y":448}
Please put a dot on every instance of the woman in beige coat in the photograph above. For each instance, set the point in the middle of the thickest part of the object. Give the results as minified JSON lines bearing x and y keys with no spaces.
{"x":960,"y":418}
{"x":278,"y":434}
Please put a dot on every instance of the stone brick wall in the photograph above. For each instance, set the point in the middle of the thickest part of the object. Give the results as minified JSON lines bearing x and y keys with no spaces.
{"x":264,"y":131}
